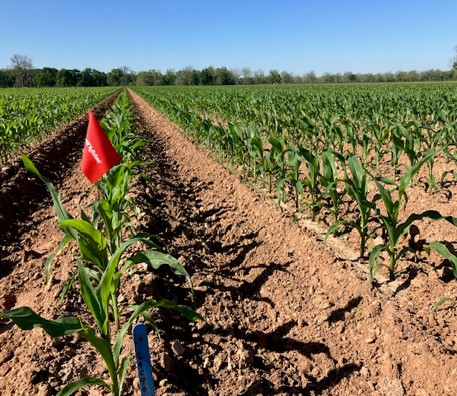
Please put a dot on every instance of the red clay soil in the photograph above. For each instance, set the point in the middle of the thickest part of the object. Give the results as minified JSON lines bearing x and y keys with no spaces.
{"x":284,"y":313}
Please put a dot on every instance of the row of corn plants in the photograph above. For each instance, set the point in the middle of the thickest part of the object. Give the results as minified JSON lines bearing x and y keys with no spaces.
{"x":29,"y":114}
{"x":373,"y":122}
{"x":108,"y":250}
{"x":327,"y":154}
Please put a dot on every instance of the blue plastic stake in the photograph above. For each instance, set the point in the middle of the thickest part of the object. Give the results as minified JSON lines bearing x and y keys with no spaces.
{"x":143,"y":360}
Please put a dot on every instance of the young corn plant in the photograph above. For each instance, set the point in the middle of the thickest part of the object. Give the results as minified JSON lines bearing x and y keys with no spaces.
{"x":276,"y":166}
{"x":118,"y":124}
{"x":442,"y":249}
{"x":114,"y":208}
{"x":381,"y":134}
{"x":356,"y":186}
{"x":366,"y":145}
{"x":329,"y":180}
{"x":397,"y":147}
{"x":99,"y":273}
{"x":312,"y":181}
{"x":111,"y":213}
{"x":393,"y":230}
{"x":432,"y":139}
{"x":295,"y":160}
{"x":255,"y":150}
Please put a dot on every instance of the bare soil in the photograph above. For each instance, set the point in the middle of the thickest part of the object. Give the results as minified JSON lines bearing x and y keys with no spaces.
{"x":285,"y":314}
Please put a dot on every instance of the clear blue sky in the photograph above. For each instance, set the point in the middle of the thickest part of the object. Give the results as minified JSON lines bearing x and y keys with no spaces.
{"x":362,"y":36}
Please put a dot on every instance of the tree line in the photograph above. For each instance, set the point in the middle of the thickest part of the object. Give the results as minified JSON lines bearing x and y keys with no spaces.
{"x":21,"y":73}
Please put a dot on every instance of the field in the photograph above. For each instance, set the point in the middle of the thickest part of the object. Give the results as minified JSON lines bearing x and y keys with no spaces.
{"x":316,"y":224}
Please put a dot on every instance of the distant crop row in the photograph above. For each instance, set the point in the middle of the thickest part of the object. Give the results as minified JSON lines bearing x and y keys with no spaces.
{"x":325,"y":146}
{"x":27,"y":115}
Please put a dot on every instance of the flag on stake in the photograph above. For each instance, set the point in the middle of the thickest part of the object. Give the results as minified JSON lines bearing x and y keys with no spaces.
{"x":99,"y":155}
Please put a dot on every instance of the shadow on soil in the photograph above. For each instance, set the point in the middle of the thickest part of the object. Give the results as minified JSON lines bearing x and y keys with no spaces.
{"x":264,"y":386}
{"x":338,"y":314}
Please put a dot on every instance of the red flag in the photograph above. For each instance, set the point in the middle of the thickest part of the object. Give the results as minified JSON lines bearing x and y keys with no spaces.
{"x":99,"y":155}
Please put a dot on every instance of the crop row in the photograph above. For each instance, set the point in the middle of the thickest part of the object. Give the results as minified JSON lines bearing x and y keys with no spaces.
{"x":326,"y":148}
{"x":27,"y":115}
{"x":109,"y":248}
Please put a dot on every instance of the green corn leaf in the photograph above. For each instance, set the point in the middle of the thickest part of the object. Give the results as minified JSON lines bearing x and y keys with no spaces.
{"x":386,"y":197}
{"x":329,"y":166}
{"x":405,"y":180}
{"x":92,"y":244}
{"x":106,"y":282}
{"x":186,"y":311}
{"x":50,"y":259}
{"x":67,"y":285}
{"x":61,"y":212}
{"x":356,"y":168}
{"x":119,"y":342}
{"x":106,"y":213}
{"x":440,"y":302}
{"x":429,"y":214}
{"x":28,"y":319}
{"x":374,"y":256}
{"x":446,"y":253}
{"x":103,"y":347}
{"x":125,"y":363}
{"x":156,"y":259}
{"x":275,"y":143}
{"x":151,"y":321}
{"x":337,"y":225}
{"x":84,"y":216}
{"x":92,"y":301}
{"x":70,"y":389}
{"x":86,"y":229}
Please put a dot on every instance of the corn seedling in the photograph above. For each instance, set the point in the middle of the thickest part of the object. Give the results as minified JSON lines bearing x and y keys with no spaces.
{"x":328,"y":179}
{"x":277,"y":166}
{"x":448,"y":304}
{"x":255,"y":149}
{"x":294,"y":160}
{"x":356,"y":186}
{"x":99,"y":273}
{"x":103,"y":261}
{"x":446,"y":253}
{"x":312,"y":181}
{"x":392,"y":229}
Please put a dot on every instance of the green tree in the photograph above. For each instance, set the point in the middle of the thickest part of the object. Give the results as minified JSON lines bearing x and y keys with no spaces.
{"x":99,"y":78}
{"x":46,"y":77}
{"x":187,"y":76}
{"x":222,"y":76}
{"x":145,"y":78}
{"x":259,"y":77}
{"x":170,"y":78}
{"x":87,"y":79}
{"x":349,"y":77}
{"x":454,"y":60}
{"x":287,"y":78}
{"x":6,"y":78}
{"x":327,"y":78}
{"x":207,"y":76}
{"x":121,"y":76}
{"x":310,"y":77}
{"x":115,"y":77}
{"x":68,"y":78}
{"x":274,"y":77}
